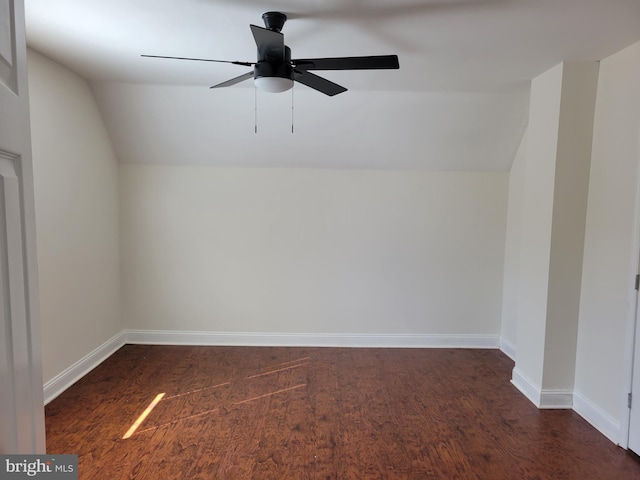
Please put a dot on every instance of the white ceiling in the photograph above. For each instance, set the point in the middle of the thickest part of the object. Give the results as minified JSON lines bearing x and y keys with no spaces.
{"x":459,"y":100}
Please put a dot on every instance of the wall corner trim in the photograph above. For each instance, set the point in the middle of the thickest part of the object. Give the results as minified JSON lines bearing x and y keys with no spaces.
{"x":526,"y":386}
{"x":508,"y":348}
{"x":556,"y":399}
{"x":542,"y":398}
{"x":75,"y":372}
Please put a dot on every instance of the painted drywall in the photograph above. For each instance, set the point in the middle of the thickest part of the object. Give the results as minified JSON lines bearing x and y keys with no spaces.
{"x":190,"y":125}
{"x":573,"y":159}
{"x":76,"y":200}
{"x":609,"y":253}
{"x":312,"y":251}
{"x":513,"y":241}
{"x":537,"y":211}
{"x":553,"y":222}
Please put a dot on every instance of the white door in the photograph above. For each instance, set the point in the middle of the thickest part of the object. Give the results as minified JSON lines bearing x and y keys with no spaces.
{"x":634,"y":414}
{"x":21,"y":396}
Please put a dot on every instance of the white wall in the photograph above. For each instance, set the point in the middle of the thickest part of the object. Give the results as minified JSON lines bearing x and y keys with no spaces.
{"x":312,"y":251}
{"x":76,"y":194}
{"x":573,"y":159}
{"x":513,"y":241}
{"x":537,"y":215}
{"x":610,"y":259}
{"x":552,"y":223}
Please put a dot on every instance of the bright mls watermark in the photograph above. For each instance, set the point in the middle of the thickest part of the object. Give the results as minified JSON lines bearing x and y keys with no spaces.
{"x":51,"y":467}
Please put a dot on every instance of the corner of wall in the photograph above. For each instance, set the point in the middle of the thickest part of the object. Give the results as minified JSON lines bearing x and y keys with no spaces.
{"x":513,"y":238}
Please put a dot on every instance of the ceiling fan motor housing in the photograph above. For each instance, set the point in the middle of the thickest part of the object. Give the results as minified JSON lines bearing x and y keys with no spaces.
{"x":268,"y":67}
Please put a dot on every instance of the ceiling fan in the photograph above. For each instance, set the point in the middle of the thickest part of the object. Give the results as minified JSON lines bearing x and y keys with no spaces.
{"x":275,"y":71}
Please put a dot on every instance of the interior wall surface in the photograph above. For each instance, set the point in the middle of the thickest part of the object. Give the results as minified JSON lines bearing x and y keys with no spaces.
{"x":513,"y":241}
{"x":575,"y":138}
{"x":537,"y":216}
{"x":77,"y":216}
{"x":610,"y":257}
{"x":312,"y":250}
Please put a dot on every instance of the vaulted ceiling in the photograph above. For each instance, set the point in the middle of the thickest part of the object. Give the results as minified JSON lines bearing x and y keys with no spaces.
{"x":458,"y":102}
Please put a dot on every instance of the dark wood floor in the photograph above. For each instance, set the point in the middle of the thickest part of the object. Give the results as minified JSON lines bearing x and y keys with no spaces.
{"x":320,"y":413}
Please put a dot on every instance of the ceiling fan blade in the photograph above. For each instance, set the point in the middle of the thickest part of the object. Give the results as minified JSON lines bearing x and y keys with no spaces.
{"x":235,"y":80}
{"x":246,"y":64}
{"x":377,"y":62}
{"x":270,"y":44}
{"x":318,"y":83}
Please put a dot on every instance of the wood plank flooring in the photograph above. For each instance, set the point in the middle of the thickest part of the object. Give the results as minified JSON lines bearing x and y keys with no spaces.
{"x":320,"y":413}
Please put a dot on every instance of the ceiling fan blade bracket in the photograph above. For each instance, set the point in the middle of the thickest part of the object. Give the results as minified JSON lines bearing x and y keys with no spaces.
{"x":274,"y":67}
{"x":270,"y":69}
{"x":377,"y":62}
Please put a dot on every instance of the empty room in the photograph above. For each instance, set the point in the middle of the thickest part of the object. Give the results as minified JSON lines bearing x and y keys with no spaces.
{"x":321,"y":240}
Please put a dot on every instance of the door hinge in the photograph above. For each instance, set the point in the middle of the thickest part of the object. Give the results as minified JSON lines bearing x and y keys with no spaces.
{"x":638,"y":282}
{"x":629,"y":398}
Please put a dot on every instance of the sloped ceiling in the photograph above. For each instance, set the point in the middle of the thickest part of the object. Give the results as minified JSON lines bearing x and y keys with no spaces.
{"x":458,"y":102}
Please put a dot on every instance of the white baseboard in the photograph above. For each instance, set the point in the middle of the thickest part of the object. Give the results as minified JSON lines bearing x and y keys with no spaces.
{"x":526,"y":386}
{"x":508,"y":348}
{"x":170,"y":337}
{"x":556,"y":399}
{"x":541,"y":398}
{"x":597,"y":417}
{"x":75,"y":372}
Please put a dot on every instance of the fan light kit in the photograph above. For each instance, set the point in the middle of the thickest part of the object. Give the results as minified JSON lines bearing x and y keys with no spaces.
{"x":275,"y":71}
{"x":273,"y":84}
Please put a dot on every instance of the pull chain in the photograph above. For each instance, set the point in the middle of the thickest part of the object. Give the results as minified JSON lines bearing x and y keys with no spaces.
{"x":292,"y":88}
{"x":255,"y":109}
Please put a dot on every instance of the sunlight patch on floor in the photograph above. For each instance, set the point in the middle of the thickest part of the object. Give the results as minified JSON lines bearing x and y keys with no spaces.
{"x":142,"y":416}
{"x":284,"y":366}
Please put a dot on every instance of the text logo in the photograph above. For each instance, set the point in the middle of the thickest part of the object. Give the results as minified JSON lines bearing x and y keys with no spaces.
{"x":51,"y":467}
